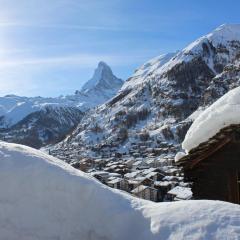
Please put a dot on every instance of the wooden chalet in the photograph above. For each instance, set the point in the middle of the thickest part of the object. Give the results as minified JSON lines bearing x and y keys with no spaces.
{"x":146,"y":192}
{"x":214,"y":166}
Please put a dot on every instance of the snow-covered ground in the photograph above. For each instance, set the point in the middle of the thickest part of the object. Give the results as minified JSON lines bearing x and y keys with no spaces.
{"x":223,"y":112}
{"x":44,"y":198}
{"x":146,"y":70}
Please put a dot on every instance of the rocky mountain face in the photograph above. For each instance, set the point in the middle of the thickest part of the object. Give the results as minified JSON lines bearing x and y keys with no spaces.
{"x":100,"y":88}
{"x":38,"y":121}
{"x":47,"y":126}
{"x":156,"y":106}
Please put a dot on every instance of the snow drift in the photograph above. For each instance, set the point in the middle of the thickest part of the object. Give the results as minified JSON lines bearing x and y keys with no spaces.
{"x":223,"y":112}
{"x":44,"y":198}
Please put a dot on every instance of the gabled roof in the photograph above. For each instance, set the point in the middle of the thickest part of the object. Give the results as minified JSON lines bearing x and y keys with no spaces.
{"x":141,"y":188}
{"x":116,"y":180}
{"x":206,"y":149}
{"x":183,"y":193}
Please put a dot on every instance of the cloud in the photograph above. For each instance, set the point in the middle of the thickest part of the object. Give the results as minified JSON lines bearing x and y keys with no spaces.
{"x":74,"y":27}
{"x":79,"y":60}
{"x":58,"y":26}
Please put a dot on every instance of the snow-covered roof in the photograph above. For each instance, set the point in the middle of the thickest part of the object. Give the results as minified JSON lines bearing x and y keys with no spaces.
{"x":139,"y":188}
{"x":116,"y":180}
{"x":183,"y":193}
{"x":149,"y":170}
{"x":179,"y":155}
{"x":100,"y":173}
{"x":225,"y":111}
{"x":151,"y":174}
{"x":162,"y":183}
{"x":45,"y":198}
{"x":132,"y":174}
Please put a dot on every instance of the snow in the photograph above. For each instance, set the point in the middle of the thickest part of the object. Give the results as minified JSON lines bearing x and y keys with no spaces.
{"x":162,"y":183}
{"x":183,"y":193}
{"x":114,"y":181}
{"x":179,"y":155}
{"x":102,"y":73}
{"x":146,"y":69}
{"x":225,"y":33}
{"x":222,"y":35}
{"x":153,"y":64}
{"x":44,"y":198}
{"x":151,"y":88}
{"x":103,"y":86}
{"x":223,"y":112}
{"x":196,"y":113}
{"x":139,"y":188}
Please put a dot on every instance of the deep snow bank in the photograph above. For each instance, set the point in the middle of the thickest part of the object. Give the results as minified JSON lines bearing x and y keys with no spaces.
{"x":225,"y":111}
{"x":43,"y":198}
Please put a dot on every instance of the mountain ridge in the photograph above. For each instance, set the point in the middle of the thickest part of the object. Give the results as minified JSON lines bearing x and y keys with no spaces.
{"x":38,"y":121}
{"x":158,"y":102}
{"x":14,"y":108}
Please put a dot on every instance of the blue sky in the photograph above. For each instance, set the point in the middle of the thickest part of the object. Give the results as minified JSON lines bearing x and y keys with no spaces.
{"x":51,"y":47}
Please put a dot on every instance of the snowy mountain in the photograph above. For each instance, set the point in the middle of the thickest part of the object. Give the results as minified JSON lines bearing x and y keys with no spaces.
{"x":158,"y":103}
{"x":37,"y":121}
{"x":15,"y":108}
{"x":101,"y":87}
{"x":44,"y":198}
{"x":103,"y":79}
{"x":46,"y":126}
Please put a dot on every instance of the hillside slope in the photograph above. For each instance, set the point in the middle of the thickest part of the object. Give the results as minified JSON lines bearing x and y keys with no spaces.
{"x":158,"y":103}
{"x":46,"y":126}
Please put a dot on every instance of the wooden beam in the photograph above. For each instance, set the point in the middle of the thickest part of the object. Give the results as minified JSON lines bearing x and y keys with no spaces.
{"x":210,"y":152}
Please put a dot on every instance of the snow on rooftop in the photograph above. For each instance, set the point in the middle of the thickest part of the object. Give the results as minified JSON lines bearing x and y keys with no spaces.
{"x":223,"y":112}
{"x":139,"y":188}
{"x":183,"y":193}
{"x":162,"y":183}
{"x":116,"y":180}
{"x":45,"y":198}
{"x":179,"y":155}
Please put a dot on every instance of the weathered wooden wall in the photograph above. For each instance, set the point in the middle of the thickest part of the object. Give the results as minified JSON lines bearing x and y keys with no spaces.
{"x":216,"y":176}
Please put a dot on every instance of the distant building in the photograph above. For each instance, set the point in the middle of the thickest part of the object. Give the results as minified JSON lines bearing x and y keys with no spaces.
{"x":179,"y":193}
{"x":146,"y":192}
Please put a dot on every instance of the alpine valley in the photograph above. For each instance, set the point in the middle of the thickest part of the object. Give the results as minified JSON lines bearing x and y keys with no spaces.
{"x":151,"y":113}
{"x":147,"y":115}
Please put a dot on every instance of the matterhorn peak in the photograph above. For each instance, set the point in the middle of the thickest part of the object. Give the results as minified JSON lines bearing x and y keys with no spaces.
{"x":103,"y":64}
{"x":103,"y":77}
